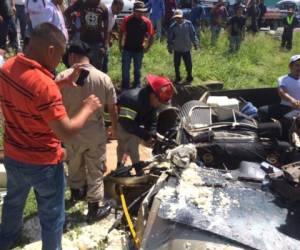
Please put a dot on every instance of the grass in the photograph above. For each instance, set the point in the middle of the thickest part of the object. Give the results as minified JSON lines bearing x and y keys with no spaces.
{"x":258,"y":64}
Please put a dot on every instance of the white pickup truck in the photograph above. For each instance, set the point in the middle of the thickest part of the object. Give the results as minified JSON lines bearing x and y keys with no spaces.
{"x":127,"y":9}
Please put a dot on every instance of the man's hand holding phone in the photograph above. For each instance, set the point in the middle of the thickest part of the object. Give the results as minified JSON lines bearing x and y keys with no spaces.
{"x":82,"y":77}
{"x":75,"y":78}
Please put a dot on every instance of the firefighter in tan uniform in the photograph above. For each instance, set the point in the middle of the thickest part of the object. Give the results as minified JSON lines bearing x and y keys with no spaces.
{"x":86,"y":152}
{"x":137,"y":116}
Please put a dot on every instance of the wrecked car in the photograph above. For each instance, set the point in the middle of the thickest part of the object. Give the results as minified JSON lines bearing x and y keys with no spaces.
{"x":213,"y":183}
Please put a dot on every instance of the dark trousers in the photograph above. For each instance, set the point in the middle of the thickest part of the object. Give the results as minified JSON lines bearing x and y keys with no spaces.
{"x":287,"y":39}
{"x":8,"y":28}
{"x":253,"y":26}
{"x":259,"y":22}
{"x":235,"y":43}
{"x":105,"y":63}
{"x":187,"y":59}
{"x":277,"y":111}
{"x":21,"y":18}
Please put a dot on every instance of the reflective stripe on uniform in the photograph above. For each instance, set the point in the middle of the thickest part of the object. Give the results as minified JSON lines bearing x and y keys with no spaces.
{"x":127,"y":113}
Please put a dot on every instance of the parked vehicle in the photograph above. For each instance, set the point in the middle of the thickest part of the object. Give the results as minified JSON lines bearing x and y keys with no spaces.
{"x":287,"y":4}
{"x":273,"y":18}
{"x":127,"y":9}
{"x":274,"y":15}
{"x":201,"y":11}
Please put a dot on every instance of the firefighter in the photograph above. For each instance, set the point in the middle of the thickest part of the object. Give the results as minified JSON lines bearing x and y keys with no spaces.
{"x":289,"y":23}
{"x":137,"y":117}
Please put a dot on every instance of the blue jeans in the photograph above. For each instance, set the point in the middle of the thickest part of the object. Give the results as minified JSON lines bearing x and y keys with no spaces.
{"x":157,"y":25}
{"x":235,"y":43}
{"x":137,"y":57}
{"x":215,"y":33}
{"x":48,"y":182}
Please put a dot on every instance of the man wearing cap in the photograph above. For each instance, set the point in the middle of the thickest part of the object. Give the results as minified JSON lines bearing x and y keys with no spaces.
{"x":135,"y":39}
{"x":289,"y":23}
{"x":137,"y":116}
{"x":289,"y":92}
{"x":86,"y":152}
{"x":181,"y":36}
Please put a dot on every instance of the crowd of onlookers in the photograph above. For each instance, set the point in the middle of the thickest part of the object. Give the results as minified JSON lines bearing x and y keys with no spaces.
{"x":28,"y":13}
{"x":95,"y":23}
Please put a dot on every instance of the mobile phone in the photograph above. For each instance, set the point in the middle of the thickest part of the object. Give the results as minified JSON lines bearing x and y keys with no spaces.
{"x":82,"y":76}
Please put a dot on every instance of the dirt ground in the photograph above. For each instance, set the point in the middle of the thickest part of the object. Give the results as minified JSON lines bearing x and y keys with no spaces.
{"x":111,"y":155}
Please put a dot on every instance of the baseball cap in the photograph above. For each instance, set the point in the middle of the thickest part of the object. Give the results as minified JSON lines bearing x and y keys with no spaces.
{"x":139,"y":6}
{"x":178,"y":13}
{"x":294,"y":58}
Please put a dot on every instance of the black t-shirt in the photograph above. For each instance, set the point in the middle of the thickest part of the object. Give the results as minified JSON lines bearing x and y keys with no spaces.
{"x":252,"y":11}
{"x":136,"y":30}
{"x":237,"y":24}
{"x":93,"y":19}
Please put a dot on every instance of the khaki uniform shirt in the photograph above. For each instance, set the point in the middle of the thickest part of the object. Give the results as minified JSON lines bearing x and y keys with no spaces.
{"x":100,"y":85}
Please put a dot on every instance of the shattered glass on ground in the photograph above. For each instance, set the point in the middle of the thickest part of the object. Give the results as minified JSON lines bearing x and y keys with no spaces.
{"x":80,"y":235}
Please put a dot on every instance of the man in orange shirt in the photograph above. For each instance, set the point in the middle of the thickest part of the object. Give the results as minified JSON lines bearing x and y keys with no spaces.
{"x":35,"y":123}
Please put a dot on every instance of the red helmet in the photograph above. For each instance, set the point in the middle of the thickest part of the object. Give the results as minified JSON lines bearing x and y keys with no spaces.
{"x":162,"y":87}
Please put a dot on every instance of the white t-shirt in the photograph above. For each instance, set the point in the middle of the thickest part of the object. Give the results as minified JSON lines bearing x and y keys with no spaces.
{"x":111,"y":19}
{"x":35,"y":9}
{"x":56,"y":18}
{"x":291,"y":85}
{"x":20,"y":2}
